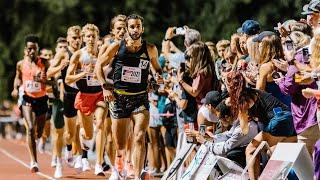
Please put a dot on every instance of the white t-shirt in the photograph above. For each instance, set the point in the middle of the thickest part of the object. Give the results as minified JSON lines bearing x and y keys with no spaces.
{"x":204,"y":111}
{"x":154,"y":116}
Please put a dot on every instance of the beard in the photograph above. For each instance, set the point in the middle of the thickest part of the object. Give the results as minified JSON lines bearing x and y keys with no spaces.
{"x":134,"y":36}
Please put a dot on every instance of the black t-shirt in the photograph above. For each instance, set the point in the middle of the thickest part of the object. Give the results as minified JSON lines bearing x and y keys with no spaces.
{"x":172,"y":109}
{"x":190,"y":113}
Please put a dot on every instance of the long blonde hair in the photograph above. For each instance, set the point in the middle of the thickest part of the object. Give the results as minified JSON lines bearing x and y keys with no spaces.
{"x":315,"y":47}
{"x":253,"y":49}
{"x":271,"y":48}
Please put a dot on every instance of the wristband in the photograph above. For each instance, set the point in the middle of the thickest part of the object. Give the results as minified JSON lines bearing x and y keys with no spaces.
{"x":106,"y":86}
{"x":166,"y":39}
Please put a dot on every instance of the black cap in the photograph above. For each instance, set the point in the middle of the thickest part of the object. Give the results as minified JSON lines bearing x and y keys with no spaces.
{"x":213,"y":98}
{"x":262,"y":35}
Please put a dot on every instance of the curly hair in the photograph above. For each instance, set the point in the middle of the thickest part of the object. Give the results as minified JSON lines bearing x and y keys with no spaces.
{"x":240,"y":95}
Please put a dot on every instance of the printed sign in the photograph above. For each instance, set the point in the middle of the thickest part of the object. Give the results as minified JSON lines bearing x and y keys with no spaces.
{"x":33,"y":86}
{"x":92,"y":81}
{"x":131,"y":74}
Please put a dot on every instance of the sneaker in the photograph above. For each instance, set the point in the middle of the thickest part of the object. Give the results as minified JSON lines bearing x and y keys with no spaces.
{"x":78,"y":163}
{"x":98,"y":170}
{"x":130,"y":170}
{"x":41,"y":145}
{"x":58,"y":171}
{"x":34,"y":167}
{"x":69,"y":158}
{"x":54,"y":161}
{"x":85,"y":164}
{"x":115,"y":175}
{"x":85,"y":144}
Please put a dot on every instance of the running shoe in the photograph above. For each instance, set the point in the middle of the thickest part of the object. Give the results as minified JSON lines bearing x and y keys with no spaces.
{"x":34,"y":167}
{"x":69,"y":158}
{"x":78,"y":163}
{"x":130,"y":170}
{"x":58,"y":171}
{"x":54,"y":161}
{"x":85,"y":164}
{"x":98,"y":170}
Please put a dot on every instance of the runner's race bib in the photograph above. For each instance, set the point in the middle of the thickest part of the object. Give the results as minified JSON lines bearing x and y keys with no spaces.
{"x":131,"y":74}
{"x":33,"y":86}
{"x":92,"y":81}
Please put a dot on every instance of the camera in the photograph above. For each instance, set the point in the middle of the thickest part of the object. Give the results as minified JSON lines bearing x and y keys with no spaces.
{"x":174,"y":72}
{"x":275,"y":75}
{"x":179,"y":31}
{"x":305,"y":55}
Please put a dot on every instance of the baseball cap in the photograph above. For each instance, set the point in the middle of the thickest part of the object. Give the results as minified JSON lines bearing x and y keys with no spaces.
{"x":262,"y":35}
{"x":313,"y":6}
{"x":213,"y":98}
{"x":249,"y":27}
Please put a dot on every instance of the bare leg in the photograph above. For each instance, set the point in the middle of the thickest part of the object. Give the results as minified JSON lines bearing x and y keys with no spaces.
{"x":30,"y":132}
{"x":100,"y":114}
{"x":141,"y":121}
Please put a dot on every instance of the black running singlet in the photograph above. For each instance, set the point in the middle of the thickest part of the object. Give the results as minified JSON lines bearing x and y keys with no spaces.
{"x":67,"y":88}
{"x":131,"y":70}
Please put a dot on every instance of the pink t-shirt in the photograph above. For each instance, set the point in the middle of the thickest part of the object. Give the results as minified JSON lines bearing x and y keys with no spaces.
{"x":204,"y":84}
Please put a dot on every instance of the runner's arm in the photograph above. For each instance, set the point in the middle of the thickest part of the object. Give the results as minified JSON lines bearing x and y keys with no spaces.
{"x":57,"y":65}
{"x":104,"y":59}
{"x":71,"y":76}
{"x":17,"y":79}
{"x":153,"y":54}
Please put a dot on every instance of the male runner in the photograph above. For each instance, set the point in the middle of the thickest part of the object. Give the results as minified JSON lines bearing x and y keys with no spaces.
{"x":131,"y":63}
{"x":32,"y":73}
{"x":89,"y":101}
{"x":61,"y":63}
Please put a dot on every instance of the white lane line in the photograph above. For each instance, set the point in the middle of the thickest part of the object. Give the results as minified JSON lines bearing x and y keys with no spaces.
{"x":23,"y":163}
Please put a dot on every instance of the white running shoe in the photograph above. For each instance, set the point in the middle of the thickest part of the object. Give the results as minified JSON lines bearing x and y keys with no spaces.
{"x":98,"y":170}
{"x":115,"y":175}
{"x":54,"y":161}
{"x":85,"y":144}
{"x":69,"y":158}
{"x":85,"y":164}
{"x":41,"y":147}
{"x":78,"y":163}
{"x":58,"y":171}
{"x":34,"y":167}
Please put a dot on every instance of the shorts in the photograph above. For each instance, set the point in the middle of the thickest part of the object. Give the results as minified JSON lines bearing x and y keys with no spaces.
{"x":86,"y":103}
{"x":39,"y":105}
{"x":68,"y":105}
{"x":124,"y":105}
{"x":57,"y":114}
{"x":171,"y":136}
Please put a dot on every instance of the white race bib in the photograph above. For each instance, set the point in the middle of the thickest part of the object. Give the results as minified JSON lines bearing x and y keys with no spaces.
{"x":33,"y":86}
{"x":131,"y":74}
{"x":91,"y":81}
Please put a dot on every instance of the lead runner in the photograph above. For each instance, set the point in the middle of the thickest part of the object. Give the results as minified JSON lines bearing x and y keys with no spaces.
{"x":131,"y":60}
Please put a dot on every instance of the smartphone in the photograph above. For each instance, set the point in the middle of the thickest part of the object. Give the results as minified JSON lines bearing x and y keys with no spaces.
{"x":277,"y":111}
{"x":289,"y":45}
{"x":174,"y":72}
{"x":179,"y":31}
{"x":305,"y":54}
{"x":182,"y":67}
{"x":202,"y":130}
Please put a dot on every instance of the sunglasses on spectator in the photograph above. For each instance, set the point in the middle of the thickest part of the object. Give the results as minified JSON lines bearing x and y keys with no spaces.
{"x":187,"y":57}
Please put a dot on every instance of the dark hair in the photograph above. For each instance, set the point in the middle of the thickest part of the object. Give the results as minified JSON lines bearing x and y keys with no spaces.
{"x":31,"y":38}
{"x":225,"y":111}
{"x":133,"y":16}
{"x":239,"y":94}
{"x":61,"y":40}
